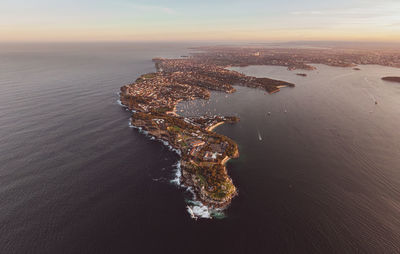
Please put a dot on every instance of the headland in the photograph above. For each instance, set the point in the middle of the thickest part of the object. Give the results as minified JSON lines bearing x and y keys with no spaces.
{"x":153,"y":98}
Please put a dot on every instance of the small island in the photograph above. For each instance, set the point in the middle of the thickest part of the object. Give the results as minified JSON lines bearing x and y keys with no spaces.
{"x":392,"y":79}
{"x":153,"y":98}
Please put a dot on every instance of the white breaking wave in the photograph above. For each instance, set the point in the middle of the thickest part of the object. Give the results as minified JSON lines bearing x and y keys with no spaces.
{"x":120,"y":103}
{"x":178,"y":174}
{"x":197,"y":209}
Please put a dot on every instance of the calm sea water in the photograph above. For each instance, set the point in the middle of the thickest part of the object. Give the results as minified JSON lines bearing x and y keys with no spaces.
{"x":319,"y":174}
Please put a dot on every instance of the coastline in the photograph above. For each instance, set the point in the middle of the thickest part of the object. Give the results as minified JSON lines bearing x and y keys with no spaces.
{"x":187,"y":179}
{"x":153,"y":98}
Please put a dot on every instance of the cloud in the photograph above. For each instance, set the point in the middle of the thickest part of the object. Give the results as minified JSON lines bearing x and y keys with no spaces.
{"x":375,"y":10}
{"x":378,"y":14}
{"x":152,"y":8}
{"x":306,"y":12}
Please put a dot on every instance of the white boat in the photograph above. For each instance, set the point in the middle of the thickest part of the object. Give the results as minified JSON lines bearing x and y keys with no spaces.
{"x":259,"y":135}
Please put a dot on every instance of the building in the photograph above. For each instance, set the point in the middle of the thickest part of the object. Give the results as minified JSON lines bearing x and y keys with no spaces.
{"x":196,"y":143}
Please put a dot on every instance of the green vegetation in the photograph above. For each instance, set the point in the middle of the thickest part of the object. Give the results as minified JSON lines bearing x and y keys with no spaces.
{"x":174,"y":128}
{"x":162,"y":110}
{"x":219,"y":194}
{"x":202,"y":179}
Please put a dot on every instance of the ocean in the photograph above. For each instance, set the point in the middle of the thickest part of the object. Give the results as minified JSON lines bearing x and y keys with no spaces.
{"x":319,"y":166}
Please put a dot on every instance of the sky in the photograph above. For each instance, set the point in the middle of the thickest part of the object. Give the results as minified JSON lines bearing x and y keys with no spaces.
{"x":202,"y":20}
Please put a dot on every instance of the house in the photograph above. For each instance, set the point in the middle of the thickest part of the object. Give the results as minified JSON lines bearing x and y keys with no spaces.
{"x":197,"y":143}
{"x":193,"y":152}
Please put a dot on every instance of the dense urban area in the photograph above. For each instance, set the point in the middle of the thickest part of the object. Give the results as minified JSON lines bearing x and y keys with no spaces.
{"x":153,"y":98}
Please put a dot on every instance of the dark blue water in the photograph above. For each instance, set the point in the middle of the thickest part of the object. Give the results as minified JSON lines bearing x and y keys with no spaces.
{"x":74,"y":178}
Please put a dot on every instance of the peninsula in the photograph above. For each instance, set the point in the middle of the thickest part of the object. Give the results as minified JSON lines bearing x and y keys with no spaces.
{"x":153,"y":98}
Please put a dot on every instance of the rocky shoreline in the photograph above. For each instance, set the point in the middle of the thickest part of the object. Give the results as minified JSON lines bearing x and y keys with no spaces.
{"x":189,"y":178}
{"x":153,"y":98}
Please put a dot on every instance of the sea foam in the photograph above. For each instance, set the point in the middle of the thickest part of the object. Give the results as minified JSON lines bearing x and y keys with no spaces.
{"x":178,"y":174}
{"x":197,"y":209}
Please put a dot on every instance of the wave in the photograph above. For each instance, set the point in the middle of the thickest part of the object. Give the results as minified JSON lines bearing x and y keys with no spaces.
{"x":197,"y":209}
{"x":161,"y":179}
{"x":119,"y":102}
{"x":178,"y":174}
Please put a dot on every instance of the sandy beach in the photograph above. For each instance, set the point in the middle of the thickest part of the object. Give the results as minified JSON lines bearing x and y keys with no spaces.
{"x":212,"y":127}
